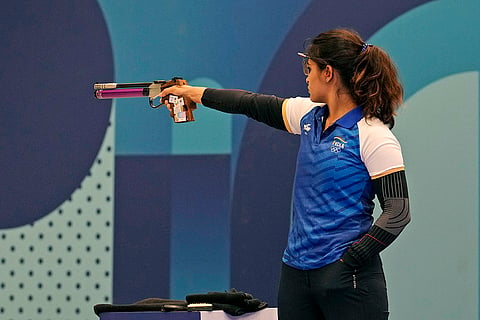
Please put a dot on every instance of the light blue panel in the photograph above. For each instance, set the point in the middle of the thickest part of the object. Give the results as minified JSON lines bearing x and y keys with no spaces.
{"x":210,"y":133}
{"x":432,"y":269}
{"x":134,"y":31}
{"x":230,"y":42}
{"x":433,"y":41}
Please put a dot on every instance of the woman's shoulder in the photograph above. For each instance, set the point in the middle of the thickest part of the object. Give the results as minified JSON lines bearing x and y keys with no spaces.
{"x":374,"y":126}
{"x":294,"y":109}
{"x":302,"y":103}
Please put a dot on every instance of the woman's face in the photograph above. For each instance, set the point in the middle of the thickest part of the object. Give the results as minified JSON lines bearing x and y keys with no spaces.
{"x":316,"y":82}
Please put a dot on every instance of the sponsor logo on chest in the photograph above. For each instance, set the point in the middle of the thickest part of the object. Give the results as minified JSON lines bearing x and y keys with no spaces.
{"x":307,"y":127}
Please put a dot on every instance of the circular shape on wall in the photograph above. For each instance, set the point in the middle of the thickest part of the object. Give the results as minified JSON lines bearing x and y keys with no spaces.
{"x":51,"y":127}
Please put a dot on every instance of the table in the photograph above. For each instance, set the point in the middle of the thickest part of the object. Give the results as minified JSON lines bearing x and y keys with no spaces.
{"x":265,"y":314}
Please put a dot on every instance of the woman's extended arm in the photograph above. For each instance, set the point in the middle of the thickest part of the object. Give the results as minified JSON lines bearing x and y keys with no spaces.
{"x":260,"y":107}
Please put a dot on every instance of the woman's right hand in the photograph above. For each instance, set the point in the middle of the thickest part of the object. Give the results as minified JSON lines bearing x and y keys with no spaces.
{"x":192,"y":93}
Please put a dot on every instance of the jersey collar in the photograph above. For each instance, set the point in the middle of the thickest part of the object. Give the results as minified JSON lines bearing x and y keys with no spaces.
{"x":351,"y":117}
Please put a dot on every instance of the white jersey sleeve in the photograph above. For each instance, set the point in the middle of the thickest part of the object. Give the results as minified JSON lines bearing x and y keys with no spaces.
{"x":379,"y":148}
{"x":293,"y":110}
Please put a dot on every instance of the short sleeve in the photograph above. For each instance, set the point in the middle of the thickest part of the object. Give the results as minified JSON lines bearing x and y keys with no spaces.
{"x":293,"y":110}
{"x":379,"y":148}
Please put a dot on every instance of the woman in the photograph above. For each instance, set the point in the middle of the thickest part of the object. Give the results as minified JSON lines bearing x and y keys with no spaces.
{"x":331,"y":266}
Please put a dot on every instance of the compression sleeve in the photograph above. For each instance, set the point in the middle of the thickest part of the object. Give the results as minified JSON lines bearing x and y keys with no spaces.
{"x":392,"y":193}
{"x":260,"y":107}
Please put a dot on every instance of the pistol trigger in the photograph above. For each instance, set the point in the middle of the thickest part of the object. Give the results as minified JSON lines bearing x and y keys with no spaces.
{"x":152,"y":103}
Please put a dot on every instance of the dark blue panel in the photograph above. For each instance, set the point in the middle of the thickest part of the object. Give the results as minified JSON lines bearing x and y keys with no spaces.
{"x":51,"y":127}
{"x":148,"y":190}
{"x":366,"y":17}
{"x":261,"y":210}
{"x":261,"y":200}
{"x":142,"y":228}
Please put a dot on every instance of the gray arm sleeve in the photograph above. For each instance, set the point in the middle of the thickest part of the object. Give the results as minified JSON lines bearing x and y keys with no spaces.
{"x":392,"y":194}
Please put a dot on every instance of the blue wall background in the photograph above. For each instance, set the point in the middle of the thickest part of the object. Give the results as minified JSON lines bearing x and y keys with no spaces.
{"x":111,"y":202}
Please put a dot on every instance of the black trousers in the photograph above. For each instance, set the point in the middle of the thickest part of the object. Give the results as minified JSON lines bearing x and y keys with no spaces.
{"x":334,"y":292}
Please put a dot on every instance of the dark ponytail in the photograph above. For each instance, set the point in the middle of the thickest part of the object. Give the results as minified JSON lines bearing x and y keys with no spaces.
{"x":366,"y":71}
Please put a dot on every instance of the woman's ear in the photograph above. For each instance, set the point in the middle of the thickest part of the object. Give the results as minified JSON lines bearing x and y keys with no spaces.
{"x":328,"y":73}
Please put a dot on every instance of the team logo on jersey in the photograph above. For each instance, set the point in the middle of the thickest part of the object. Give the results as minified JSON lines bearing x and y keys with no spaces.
{"x":338,"y":144}
{"x":307,"y":127}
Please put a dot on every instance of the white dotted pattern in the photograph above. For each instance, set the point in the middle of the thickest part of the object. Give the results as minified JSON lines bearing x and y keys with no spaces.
{"x":61,"y":265}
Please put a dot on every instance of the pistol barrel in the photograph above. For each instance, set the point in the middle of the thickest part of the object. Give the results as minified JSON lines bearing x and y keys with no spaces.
{"x":121,"y":93}
{"x":114,"y":85}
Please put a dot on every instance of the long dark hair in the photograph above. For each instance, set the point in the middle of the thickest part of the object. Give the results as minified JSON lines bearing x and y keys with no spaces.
{"x":365,"y":70}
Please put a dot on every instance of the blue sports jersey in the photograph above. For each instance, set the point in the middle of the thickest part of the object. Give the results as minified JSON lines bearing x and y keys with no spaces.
{"x":333,"y":196}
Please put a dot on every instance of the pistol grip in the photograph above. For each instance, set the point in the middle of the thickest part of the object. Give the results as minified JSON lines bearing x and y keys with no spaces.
{"x":182,"y":110}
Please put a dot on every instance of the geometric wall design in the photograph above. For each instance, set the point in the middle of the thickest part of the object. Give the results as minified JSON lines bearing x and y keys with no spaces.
{"x":59,"y":266}
{"x":105,"y":201}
